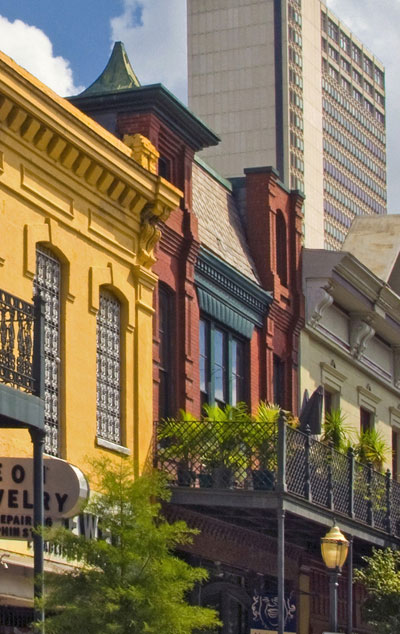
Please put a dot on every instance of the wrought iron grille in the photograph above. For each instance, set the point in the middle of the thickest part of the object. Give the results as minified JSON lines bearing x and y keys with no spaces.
{"x":108,"y":368}
{"x":16,"y":342}
{"x":47,"y":284}
{"x":296,"y":476}
{"x":244,"y":455}
{"x":222,"y":454}
{"x":395,"y":508}
{"x":361,"y":495}
{"x":378,"y":500}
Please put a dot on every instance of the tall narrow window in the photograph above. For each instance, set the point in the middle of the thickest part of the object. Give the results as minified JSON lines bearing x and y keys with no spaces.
{"x":108,"y":368}
{"x":279,"y":381}
{"x":204,"y":361}
{"x":281,"y":248}
{"x":366,"y":420}
{"x":219,"y":368}
{"x":238,"y":379}
{"x":47,"y":284}
{"x":165,"y":335}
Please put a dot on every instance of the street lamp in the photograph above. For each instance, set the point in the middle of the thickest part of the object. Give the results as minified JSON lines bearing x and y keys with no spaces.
{"x":334,"y":549}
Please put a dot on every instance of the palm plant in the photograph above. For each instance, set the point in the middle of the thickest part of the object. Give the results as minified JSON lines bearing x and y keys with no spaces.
{"x":372,"y":447}
{"x":260,"y":438}
{"x":335,"y":431}
{"x":180,"y":440}
{"x":223,"y":450}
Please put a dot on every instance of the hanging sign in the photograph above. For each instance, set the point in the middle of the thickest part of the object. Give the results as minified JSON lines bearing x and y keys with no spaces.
{"x":264,"y":613}
{"x":65,"y":489}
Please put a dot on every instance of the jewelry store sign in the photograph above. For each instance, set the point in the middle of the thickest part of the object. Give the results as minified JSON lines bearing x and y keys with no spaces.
{"x":65,"y":489}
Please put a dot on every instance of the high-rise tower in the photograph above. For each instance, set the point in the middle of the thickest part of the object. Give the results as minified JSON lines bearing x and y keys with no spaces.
{"x":286,"y":83}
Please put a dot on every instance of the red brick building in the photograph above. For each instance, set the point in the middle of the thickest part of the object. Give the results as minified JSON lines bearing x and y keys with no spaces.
{"x":227,"y":258}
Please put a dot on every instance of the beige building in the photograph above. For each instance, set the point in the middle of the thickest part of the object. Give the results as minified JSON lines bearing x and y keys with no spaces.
{"x":285,"y":83}
{"x":351,"y":340}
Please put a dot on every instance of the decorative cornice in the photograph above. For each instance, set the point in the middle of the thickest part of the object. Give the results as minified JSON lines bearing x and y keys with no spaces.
{"x":54,"y":128}
{"x":211,"y":268}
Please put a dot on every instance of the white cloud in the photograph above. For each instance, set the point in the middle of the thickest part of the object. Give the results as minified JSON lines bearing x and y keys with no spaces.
{"x":377,"y":26}
{"x":156,"y":45}
{"x":32,"y":49}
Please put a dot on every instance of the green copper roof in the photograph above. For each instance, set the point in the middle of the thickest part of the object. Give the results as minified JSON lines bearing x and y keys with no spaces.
{"x":117,"y":75}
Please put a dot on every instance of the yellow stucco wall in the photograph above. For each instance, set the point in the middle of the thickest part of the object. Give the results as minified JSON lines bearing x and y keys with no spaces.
{"x":68,"y":184}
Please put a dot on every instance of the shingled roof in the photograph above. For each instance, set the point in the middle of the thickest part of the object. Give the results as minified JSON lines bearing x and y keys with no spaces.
{"x":220,"y":226}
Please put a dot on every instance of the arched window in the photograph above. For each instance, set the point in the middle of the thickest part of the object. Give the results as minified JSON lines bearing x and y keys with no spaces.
{"x":47,"y":284}
{"x":281,"y":248}
{"x":109,"y":368}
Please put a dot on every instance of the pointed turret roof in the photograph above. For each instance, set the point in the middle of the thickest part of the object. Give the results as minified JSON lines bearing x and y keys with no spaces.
{"x":117,"y":75}
{"x":118,"y":89}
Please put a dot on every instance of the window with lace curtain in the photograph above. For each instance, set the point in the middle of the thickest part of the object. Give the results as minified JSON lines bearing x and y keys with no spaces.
{"x":47,"y":284}
{"x":109,"y":368}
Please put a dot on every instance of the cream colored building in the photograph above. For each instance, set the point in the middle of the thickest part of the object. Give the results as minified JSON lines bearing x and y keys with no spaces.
{"x":285,"y":83}
{"x":351,"y":340}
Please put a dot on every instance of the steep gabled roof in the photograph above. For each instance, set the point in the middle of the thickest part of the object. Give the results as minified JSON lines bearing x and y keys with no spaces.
{"x":220,"y":226}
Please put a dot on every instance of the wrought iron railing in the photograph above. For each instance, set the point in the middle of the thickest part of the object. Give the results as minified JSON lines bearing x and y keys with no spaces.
{"x":17,"y":320}
{"x":263,"y":456}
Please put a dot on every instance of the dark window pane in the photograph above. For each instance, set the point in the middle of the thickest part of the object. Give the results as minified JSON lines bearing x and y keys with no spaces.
{"x":279,"y":381}
{"x":165,"y":336}
{"x":365,"y":419}
{"x":237,"y":372}
{"x":203,"y":356}
{"x":328,"y":401}
{"x":219,"y":366}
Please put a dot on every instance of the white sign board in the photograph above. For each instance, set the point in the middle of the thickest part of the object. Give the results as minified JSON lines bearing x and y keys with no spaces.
{"x":65,"y":489}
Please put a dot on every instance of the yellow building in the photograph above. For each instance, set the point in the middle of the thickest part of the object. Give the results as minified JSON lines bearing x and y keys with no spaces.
{"x":78,"y":222}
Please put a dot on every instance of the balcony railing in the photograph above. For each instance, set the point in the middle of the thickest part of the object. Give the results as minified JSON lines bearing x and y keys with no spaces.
{"x":17,"y":319}
{"x":276,"y":457}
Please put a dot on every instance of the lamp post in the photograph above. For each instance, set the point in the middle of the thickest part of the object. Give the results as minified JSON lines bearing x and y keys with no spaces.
{"x":334,"y":549}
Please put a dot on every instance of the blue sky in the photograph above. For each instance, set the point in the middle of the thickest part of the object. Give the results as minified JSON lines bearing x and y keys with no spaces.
{"x":67,"y":44}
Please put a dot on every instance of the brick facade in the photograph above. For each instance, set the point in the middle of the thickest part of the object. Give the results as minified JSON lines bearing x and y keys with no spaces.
{"x":274,"y":233}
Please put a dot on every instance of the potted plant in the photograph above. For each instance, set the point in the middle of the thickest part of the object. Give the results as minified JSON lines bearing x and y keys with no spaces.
{"x":371,"y":448}
{"x":261,"y":438}
{"x":335,"y":431}
{"x":179,"y":441}
{"x":223,"y":449}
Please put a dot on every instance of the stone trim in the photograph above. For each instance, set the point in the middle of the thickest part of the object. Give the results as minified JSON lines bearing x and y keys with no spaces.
{"x":331,"y":377}
{"x":367,"y":399}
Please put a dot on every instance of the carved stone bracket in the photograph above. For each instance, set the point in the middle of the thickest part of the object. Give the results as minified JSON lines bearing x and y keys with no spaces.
{"x":320,"y":301}
{"x":396,"y":366}
{"x":149,"y":235}
{"x":361,"y":332}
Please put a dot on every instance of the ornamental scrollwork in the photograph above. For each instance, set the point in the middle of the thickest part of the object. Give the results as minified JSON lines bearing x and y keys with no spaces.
{"x":361,"y":332}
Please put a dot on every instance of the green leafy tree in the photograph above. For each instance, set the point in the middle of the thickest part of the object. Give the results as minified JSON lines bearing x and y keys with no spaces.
{"x":130,"y":581}
{"x":381,"y":579}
